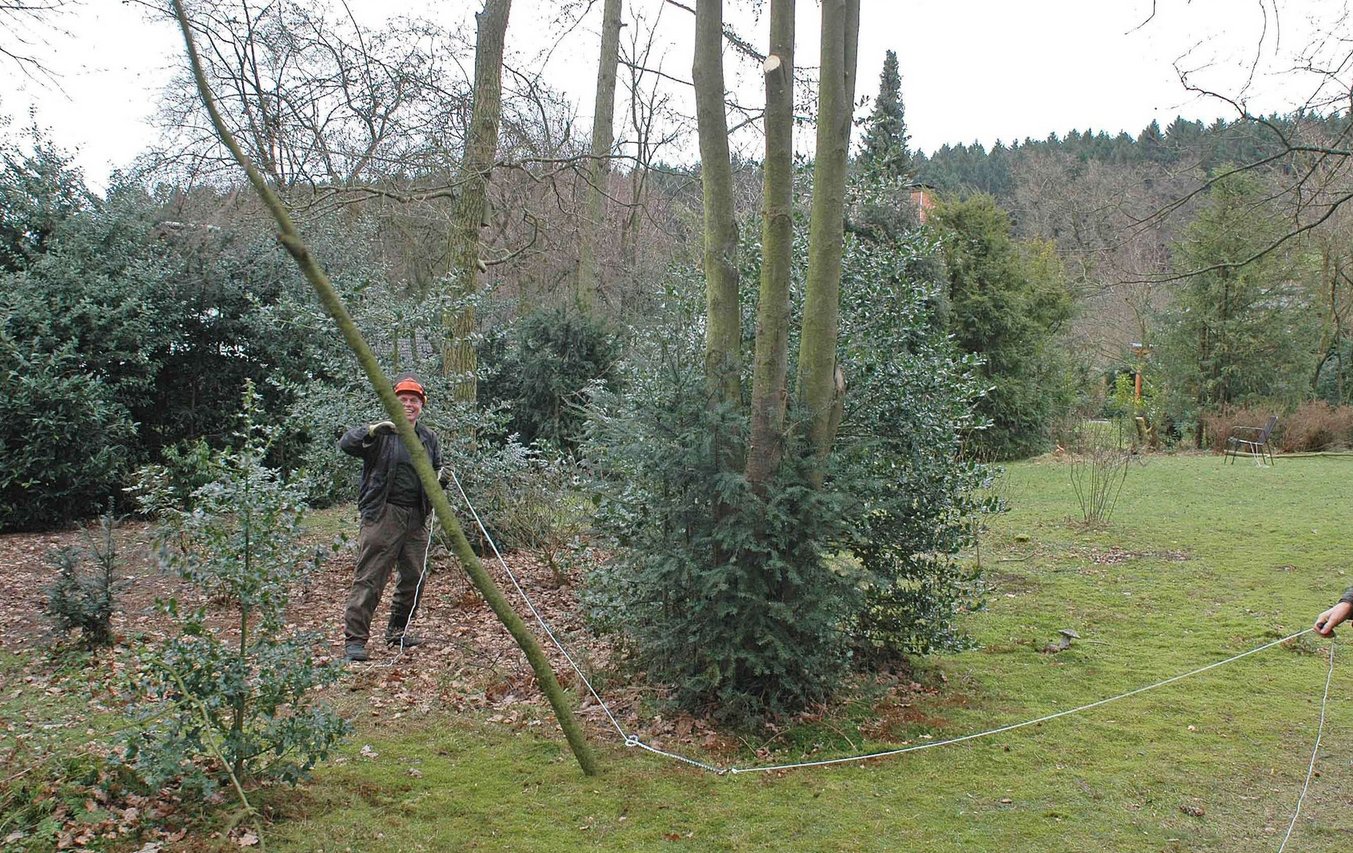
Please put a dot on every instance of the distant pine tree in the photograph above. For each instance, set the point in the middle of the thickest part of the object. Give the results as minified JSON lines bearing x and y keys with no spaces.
{"x":1151,"y":144}
{"x":885,"y":141}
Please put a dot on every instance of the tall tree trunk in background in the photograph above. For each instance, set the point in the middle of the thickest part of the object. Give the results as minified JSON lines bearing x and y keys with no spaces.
{"x":769,"y":394}
{"x":472,"y":208}
{"x":820,"y":384}
{"x":603,"y":137}
{"x":722,"y":331}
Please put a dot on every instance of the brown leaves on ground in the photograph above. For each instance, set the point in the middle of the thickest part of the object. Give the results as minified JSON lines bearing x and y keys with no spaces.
{"x":468,"y":662}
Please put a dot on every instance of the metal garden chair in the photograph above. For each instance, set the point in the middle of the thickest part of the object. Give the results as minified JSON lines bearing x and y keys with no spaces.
{"x":1252,"y":441}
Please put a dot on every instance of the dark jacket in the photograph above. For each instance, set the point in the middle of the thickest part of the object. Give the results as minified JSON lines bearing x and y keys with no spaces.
{"x":378,"y":456}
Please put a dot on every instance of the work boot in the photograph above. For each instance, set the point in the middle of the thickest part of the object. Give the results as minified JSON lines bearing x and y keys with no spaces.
{"x":355,"y":651}
{"x":404,"y":640}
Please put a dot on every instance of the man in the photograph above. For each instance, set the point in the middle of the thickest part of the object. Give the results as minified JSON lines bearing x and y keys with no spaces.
{"x":395,"y":513}
{"x":1326,"y":622}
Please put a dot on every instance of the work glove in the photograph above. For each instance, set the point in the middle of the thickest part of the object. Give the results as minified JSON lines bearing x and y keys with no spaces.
{"x":444,"y":476}
{"x":382,"y":428}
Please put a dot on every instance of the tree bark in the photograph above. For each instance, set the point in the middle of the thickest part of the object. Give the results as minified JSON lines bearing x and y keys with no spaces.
{"x":472,"y":208}
{"x":290,"y":239}
{"x":723,"y":334}
{"x":818,"y":375}
{"x":599,"y":169}
{"x":769,"y":391}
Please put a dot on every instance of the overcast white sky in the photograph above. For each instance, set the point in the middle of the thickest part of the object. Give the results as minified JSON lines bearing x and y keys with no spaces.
{"x":972,"y":70}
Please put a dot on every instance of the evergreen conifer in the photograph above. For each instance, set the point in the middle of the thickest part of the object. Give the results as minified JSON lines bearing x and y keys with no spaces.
{"x":885,"y":138}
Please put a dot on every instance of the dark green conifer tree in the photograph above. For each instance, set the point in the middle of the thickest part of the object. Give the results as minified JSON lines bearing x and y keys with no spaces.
{"x":884,"y":149}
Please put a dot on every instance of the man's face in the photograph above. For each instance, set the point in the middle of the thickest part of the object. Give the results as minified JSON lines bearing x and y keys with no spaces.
{"x":413,"y":405}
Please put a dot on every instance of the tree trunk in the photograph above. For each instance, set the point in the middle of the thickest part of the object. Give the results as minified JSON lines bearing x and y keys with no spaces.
{"x":291,"y":240}
{"x":769,"y":394}
{"x":723,"y":335}
{"x":819,"y":379}
{"x":599,"y":168}
{"x":472,"y":208}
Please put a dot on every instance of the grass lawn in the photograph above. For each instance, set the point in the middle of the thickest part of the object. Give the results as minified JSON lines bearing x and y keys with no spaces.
{"x":1199,"y":562}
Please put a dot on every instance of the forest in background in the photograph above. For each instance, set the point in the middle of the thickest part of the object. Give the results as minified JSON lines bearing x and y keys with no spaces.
{"x":1142,"y":224}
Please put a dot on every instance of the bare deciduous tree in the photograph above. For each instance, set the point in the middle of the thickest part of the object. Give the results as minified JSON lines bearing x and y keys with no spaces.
{"x":603,"y":136}
{"x":723,"y":335}
{"x":24,"y":29}
{"x":1312,"y":156}
{"x":821,"y":385}
{"x":472,"y":213}
{"x":318,"y":101}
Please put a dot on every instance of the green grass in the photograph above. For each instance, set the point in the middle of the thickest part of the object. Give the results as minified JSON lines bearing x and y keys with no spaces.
{"x":1199,"y":562}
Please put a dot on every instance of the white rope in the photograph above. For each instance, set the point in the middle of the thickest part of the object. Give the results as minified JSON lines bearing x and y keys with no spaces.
{"x":417,"y":593}
{"x":540,"y":619}
{"x":634,"y":740}
{"x":1310,"y":771}
{"x":1012,"y":726}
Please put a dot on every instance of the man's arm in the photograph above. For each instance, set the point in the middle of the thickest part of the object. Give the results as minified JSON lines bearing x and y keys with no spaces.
{"x":1326,"y":622}
{"x":359,"y":440}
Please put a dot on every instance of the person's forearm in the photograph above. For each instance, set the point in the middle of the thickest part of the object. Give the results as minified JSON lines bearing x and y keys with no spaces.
{"x":354,"y":441}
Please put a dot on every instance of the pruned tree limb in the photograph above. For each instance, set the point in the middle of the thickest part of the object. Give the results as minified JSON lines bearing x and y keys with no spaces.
{"x":291,"y":239}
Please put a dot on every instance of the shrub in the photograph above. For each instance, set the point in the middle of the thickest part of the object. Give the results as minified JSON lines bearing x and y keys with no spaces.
{"x":543,"y":371}
{"x":83,"y":599}
{"x":211,"y":709}
{"x":64,"y":445}
{"x":1218,"y":425}
{"x":531,"y":500}
{"x":749,"y":605}
{"x":740,"y":612}
{"x":914,"y":497}
{"x":1098,"y":465}
{"x":1316,"y":426}
{"x":166,"y":489}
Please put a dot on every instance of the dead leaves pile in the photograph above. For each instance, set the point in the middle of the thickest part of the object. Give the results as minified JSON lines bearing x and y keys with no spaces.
{"x":468,"y":664}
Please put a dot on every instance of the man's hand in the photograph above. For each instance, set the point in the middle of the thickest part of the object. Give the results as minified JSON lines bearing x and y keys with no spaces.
{"x":444,"y":476}
{"x":1326,"y":622}
{"x":382,"y":428}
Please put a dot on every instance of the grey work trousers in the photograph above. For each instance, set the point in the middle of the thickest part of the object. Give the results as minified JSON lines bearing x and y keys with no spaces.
{"x":397,"y":539}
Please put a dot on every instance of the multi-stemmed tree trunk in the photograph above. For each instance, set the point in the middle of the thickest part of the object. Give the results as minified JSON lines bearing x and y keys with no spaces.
{"x":723,"y":334}
{"x":821,"y":386}
{"x":769,"y":390}
{"x":472,"y":207}
{"x":599,"y":167}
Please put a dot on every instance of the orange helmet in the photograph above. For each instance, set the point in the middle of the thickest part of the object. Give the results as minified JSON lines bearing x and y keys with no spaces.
{"x":412,"y":385}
